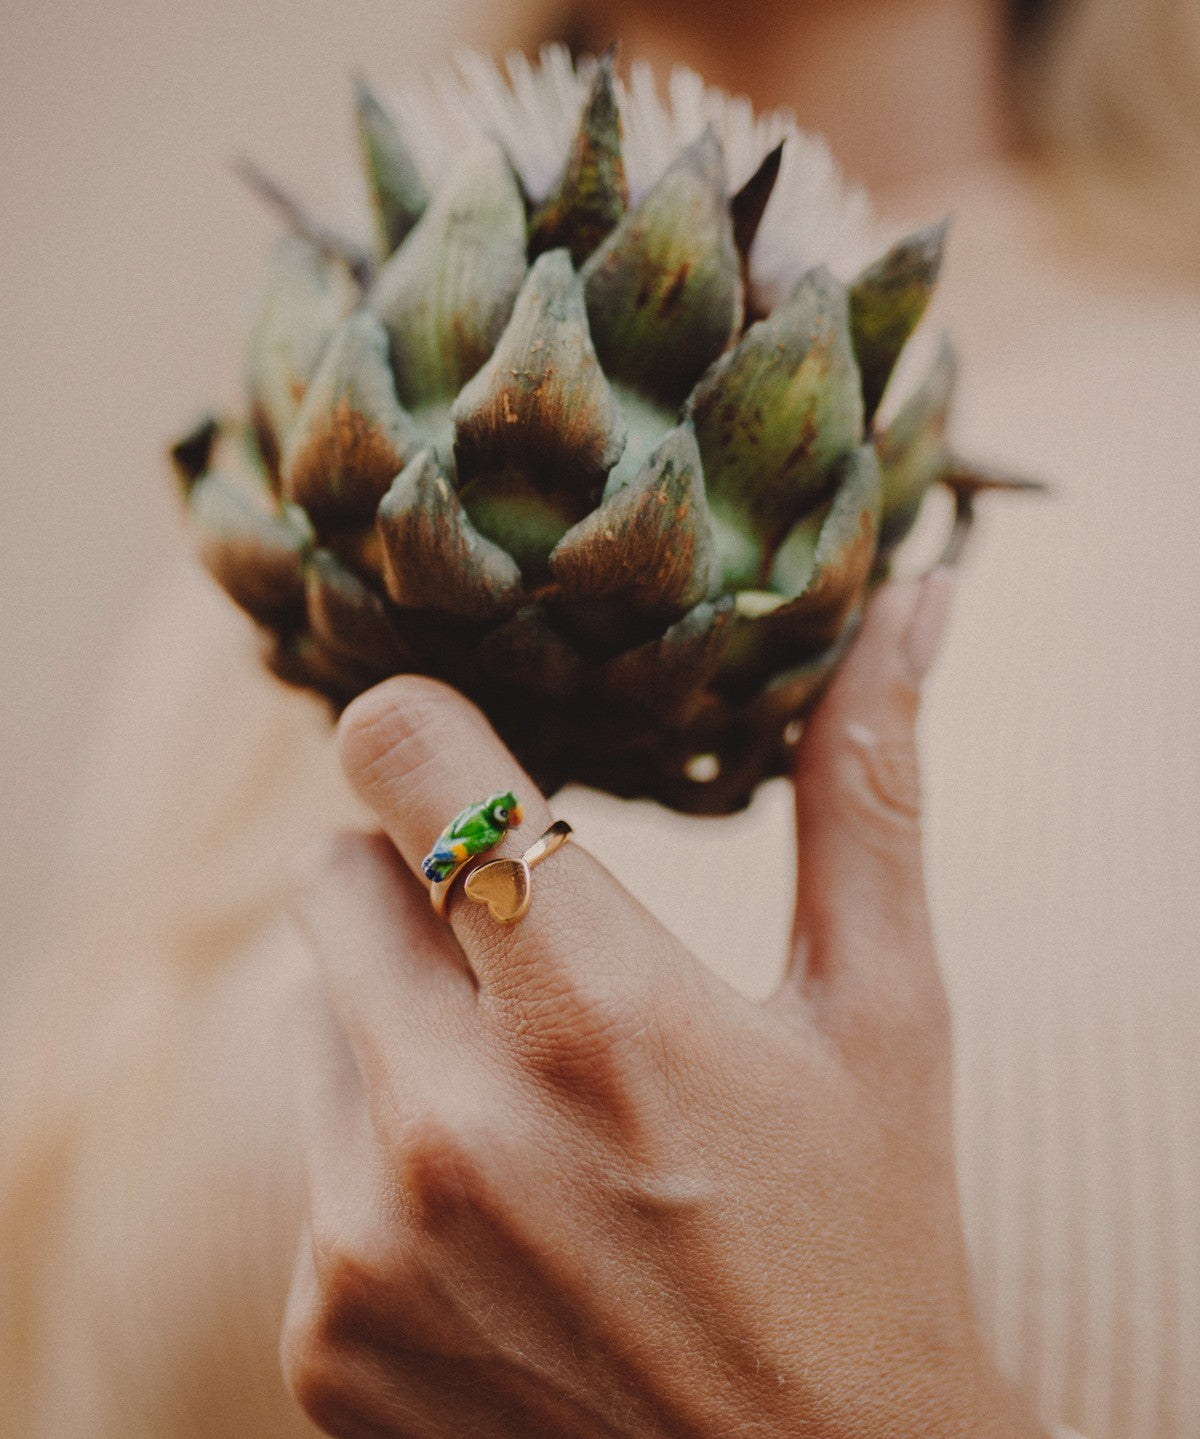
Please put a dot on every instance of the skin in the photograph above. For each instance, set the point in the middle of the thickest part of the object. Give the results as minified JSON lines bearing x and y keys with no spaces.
{"x":563,"y":1182}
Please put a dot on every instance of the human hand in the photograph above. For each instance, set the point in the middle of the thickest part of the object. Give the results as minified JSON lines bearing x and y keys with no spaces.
{"x":564,"y":1182}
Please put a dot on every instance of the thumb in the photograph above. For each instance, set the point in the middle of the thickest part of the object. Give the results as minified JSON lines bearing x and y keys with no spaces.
{"x":862,"y":922}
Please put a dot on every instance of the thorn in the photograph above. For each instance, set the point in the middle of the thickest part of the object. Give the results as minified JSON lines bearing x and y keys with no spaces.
{"x":300,"y":222}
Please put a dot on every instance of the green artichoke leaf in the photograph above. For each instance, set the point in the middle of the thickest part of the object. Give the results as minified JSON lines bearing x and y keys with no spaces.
{"x":398,"y":194}
{"x":349,"y":619}
{"x":912,"y":450}
{"x":446,"y":294}
{"x":433,"y":557}
{"x":664,"y":291}
{"x":526,"y":653}
{"x":592,"y":194}
{"x":886,"y":304}
{"x":254,"y":548}
{"x":351,"y":436}
{"x":772,"y":633}
{"x":664,"y":674}
{"x":538,"y":428}
{"x":646,"y":554}
{"x":303,"y":301}
{"x":773,"y":418}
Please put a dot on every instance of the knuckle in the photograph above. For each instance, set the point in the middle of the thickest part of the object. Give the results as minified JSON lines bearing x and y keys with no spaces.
{"x":442,"y":1172}
{"x":878,"y":773}
{"x":311,"y":1369}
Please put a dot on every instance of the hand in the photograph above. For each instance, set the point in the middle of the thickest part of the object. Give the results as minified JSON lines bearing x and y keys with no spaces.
{"x":564,"y":1182}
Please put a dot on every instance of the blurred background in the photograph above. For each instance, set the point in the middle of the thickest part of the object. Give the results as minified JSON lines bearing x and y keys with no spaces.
{"x":129,"y":254}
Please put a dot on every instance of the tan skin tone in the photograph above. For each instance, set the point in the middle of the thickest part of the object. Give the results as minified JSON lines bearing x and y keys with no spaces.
{"x":563,"y":1182}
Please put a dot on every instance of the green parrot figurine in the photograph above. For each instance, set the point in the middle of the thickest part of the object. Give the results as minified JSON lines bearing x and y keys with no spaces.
{"x":474,"y":829}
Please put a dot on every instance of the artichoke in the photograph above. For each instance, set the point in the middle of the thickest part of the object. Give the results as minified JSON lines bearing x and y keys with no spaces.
{"x":593,"y":434}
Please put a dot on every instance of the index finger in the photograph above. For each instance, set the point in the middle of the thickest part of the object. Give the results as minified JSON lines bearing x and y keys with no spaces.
{"x":417,"y":752}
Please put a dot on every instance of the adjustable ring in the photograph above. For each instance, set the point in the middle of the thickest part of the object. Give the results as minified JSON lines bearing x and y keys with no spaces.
{"x":502,"y":884}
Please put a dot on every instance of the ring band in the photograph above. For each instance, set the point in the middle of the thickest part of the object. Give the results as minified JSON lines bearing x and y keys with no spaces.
{"x":502,"y":884}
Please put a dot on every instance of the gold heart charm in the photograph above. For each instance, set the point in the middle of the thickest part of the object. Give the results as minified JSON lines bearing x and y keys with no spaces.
{"x":503,"y":885}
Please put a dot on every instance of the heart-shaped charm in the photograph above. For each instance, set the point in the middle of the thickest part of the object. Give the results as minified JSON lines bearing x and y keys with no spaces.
{"x":503,"y":885}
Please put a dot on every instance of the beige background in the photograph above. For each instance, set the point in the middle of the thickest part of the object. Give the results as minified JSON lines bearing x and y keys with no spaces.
{"x":128,"y":255}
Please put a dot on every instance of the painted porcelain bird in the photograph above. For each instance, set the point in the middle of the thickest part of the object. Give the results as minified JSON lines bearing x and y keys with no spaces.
{"x":473,"y":830}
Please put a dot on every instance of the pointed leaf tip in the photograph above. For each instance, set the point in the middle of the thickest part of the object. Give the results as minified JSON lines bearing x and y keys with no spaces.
{"x":351,"y":437}
{"x":749,"y":204}
{"x":433,"y":557}
{"x":538,"y":428}
{"x":592,"y":193}
{"x":302,"y":303}
{"x":649,"y":547}
{"x":398,"y":194}
{"x":887,"y":302}
{"x":664,"y":290}
{"x":446,"y":294}
{"x":772,"y":417}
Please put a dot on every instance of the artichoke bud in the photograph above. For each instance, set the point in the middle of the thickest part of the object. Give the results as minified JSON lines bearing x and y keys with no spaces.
{"x":912,"y":450}
{"x":592,"y":194}
{"x":664,"y":291}
{"x":770,"y":628}
{"x":254,"y":549}
{"x":302,"y":304}
{"x":446,"y":294}
{"x":538,"y":428}
{"x":645,"y":556}
{"x":886,"y":304}
{"x":663,"y":674}
{"x":433,"y":557}
{"x":351,"y":437}
{"x":398,"y":194}
{"x":349,"y":620}
{"x":527,"y":653}
{"x":773,"y":417}
{"x":750,"y":203}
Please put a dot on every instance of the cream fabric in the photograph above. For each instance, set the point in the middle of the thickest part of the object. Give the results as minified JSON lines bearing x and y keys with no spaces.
{"x":1063,"y":778}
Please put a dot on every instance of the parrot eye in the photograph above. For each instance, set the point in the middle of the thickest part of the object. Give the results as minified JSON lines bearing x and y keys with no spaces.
{"x":501,"y":813}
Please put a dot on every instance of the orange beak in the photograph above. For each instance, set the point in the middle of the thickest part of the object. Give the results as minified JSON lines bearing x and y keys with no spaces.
{"x":515,"y":817}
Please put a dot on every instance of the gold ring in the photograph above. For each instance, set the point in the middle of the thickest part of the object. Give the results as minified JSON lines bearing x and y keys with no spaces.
{"x":502,"y":884}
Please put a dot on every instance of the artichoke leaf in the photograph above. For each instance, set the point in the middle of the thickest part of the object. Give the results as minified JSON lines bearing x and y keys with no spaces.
{"x":447,"y":292}
{"x":663,"y":674}
{"x":912,"y":450}
{"x":525,"y":653}
{"x":592,"y":194}
{"x":350,"y":620}
{"x":773,"y":418}
{"x":649,"y":547}
{"x":398,"y":194}
{"x":772,"y":633}
{"x":664,"y":290}
{"x":886,"y":304}
{"x":538,"y":428}
{"x":303,"y":301}
{"x":351,"y":437}
{"x":254,"y":550}
{"x":433,"y":557}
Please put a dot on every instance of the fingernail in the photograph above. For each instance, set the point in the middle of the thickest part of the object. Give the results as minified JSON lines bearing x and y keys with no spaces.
{"x":927,"y":626}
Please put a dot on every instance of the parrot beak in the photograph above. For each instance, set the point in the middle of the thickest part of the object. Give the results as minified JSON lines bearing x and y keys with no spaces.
{"x":516,"y":817}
